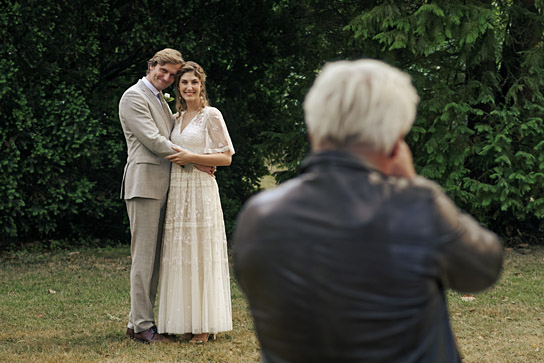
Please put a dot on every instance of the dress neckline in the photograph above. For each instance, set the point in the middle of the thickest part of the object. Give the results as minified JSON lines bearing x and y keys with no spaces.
{"x":195,"y":117}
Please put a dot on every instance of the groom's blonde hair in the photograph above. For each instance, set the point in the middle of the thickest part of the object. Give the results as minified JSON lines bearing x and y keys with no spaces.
{"x":365,"y":102}
{"x":165,"y":56}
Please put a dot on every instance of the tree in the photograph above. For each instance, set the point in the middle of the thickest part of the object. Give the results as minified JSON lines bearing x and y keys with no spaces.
{"x":478,"y":67}
{"x":479,"y":72}
{"x":63,"y":150}
{"x":311,"y":33}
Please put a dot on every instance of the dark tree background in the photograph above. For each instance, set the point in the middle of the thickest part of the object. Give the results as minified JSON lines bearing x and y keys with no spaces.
{"x":478,"y":66}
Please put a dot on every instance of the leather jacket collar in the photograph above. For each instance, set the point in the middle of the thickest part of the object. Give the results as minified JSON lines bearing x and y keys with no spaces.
{"x":334,"y":159}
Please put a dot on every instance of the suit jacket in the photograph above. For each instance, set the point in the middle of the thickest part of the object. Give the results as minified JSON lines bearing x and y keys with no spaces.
{"x":147,"y":128}
{"x":344,"y":264}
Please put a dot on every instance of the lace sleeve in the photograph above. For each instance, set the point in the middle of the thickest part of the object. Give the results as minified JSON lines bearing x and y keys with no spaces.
{"x":217,"y":138}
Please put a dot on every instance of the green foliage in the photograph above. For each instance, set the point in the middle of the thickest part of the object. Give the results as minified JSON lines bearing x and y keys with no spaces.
{"x":478,"y":67}
{"x":64,"y":66}
{"x":51,"y":141}
{"x":72,"y":306}
{"x":311,"y":33}
{"x":479,"y":71}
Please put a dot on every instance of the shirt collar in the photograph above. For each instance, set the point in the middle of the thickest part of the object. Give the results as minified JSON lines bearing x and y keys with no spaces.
{"x":151,"y":87}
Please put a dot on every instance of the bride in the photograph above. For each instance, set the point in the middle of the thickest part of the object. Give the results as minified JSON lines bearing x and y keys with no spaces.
{"x":194,"y":296}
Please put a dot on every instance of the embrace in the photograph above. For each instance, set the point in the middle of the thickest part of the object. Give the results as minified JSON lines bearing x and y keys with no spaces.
{"x":350,"y":261}
{"x":173,"y":204}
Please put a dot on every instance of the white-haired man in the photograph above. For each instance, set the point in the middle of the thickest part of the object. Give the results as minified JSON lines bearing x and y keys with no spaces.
{"x":349,"y":262}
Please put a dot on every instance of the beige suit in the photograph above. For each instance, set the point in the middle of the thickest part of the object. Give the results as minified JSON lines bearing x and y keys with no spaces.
{"x":146,"y":125}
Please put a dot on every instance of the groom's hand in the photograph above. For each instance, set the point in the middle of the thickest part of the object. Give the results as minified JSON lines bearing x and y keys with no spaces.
{"x":206,"y":169}
{"x":182,"y":157}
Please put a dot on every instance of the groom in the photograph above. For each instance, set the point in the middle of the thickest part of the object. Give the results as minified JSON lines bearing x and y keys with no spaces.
{"x":147,"y":121}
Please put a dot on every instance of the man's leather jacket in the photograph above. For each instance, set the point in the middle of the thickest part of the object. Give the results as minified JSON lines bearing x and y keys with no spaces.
{"x":344,"y":264}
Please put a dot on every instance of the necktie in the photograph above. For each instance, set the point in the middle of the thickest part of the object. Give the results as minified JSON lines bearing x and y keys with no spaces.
{"x":164,"y":105}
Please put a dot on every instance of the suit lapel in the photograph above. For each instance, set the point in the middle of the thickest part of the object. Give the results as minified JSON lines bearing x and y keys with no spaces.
{"x":166,"y":118}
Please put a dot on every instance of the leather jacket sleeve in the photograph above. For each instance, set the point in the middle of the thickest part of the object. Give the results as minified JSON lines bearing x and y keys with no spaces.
{"x":470,"y":256}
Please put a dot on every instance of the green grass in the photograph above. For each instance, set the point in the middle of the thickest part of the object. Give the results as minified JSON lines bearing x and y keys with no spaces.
{"x":57,"y":307}
{"x":72,"y":307}
{"x":506,"y":322}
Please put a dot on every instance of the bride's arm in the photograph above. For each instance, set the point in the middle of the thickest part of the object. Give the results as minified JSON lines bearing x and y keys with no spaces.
{"x":218,"y":159}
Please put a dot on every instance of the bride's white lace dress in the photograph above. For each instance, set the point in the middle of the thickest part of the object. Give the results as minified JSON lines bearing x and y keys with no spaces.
{"x":194,"y":285}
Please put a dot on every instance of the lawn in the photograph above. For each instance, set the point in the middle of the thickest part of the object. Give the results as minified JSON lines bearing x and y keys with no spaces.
{"x":72,"y":306}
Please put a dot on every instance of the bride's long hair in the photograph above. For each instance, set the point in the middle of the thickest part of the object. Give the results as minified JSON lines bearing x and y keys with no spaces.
{"x":198,"y":71}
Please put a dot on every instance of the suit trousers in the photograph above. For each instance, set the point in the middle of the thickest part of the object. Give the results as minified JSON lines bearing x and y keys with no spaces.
{"x":146,"y":225}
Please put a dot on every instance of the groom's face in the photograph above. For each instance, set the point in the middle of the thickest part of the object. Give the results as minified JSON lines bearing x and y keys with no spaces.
{"x":162,"y":76}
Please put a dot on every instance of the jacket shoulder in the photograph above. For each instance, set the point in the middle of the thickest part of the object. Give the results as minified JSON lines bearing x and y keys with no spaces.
{"x":269,"y":205}
{"x":135,"y":89}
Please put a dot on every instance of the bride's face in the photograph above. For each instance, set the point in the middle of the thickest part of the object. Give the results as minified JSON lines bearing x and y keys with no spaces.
{"x":189,"y":87}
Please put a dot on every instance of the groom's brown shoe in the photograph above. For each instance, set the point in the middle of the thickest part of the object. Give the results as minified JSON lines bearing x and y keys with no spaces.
{"x":130,"y":333}
{"x":151,"y":336}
